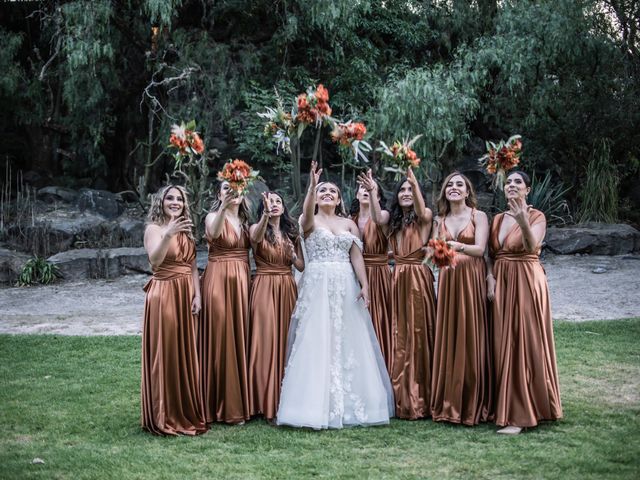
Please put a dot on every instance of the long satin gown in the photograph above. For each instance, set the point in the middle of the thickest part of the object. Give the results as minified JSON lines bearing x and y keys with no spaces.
{"x":414,"y":315}
{"x":526,"y":374}
{"x":223,"y":338}
{"x":273,"y":298}
{"x":171,"y":396}
{"x":376,"y":262}
{"x":461,"y":386}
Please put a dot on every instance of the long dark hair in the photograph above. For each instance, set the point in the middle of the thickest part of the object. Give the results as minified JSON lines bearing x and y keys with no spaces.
{"x":525,"y":177}
{"x":354,"y":208}
{"x":398,"y":220}
{"x":443,"y":204}
{"x":288,"y":225}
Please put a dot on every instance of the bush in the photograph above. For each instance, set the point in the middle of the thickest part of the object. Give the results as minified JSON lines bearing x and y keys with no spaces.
{"x":38,"y":270}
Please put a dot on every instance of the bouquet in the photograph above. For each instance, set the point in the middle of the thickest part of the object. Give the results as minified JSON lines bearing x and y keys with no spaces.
{"x":185,"y":140}
{"x":239,"y":175}
{"x":313,"y":106}
{"x":441,"y":254}
{"x":280,"y":125}
{"x":351,"y":135}
{"x":401,"y":156}
{"x":500,"y":158}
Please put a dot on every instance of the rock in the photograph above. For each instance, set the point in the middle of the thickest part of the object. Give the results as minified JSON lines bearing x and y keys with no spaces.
{"x":593,"y":238}
{"x":127,"y":196}
{"x":57,"y":194}
{"x":86,"y":263}
{"x":599,"y":270}
{"x":37,"y":461}
{"x":101,"y":202}
{"x":11,"y":263}
{"x":132,"y":231}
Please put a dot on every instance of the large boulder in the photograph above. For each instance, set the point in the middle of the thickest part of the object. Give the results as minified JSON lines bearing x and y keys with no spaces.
{"x":131,"y":231}
{"x":86,"y":263}
{"x":57,"y":194}
{"x":101,"y":202}
{"x":593,"y":238}
{"x":11,"y":263}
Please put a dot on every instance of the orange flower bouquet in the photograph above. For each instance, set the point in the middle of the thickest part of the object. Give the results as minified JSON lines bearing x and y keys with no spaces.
{"x":400,"y":156}
{"x":313,"y":107}
{"x":351,"y":135}
{"x":239,"y":175}
{"x":440,"y":254}
{"x":185,"y":139}
{"x":500,"y":158}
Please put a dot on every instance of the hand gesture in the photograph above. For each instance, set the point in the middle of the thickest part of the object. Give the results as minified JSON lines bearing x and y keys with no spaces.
{"x":196,"y":304}
{"x":265,"y":203}
{"x":314,"y":176}
{"x":290,"y":250}
{"x":367,"y":181}
{"x":228,"y":199}
{"x":457,"y":246}
{"x":177,"y":225}
{"x":364,"y":295}
{"x":519,"y":210}
{"x":491,"y":288}
{"x":411,"y":178}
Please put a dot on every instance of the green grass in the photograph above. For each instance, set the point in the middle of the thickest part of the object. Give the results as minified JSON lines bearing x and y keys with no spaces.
{"x":74,"y":402}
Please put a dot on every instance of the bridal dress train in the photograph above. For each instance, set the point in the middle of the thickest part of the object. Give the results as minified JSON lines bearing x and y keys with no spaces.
{"x":335,"y":374}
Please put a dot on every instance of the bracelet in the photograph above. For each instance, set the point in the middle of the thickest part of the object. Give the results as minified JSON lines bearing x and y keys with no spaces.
{"x":462,"y":248}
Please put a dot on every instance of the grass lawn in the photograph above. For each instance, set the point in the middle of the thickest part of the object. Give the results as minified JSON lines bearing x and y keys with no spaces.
{"x":74,"y":403}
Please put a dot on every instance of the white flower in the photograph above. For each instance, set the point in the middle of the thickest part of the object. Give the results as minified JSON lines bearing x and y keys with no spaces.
{"x":179,"y":131}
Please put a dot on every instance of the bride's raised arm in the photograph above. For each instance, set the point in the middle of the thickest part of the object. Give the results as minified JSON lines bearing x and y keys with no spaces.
{"x":308,"y":208}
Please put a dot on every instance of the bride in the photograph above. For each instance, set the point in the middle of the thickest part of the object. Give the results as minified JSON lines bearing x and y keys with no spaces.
{"x":335,"y":375}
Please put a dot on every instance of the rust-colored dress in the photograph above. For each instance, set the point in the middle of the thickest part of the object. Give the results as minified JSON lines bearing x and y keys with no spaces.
{"x":461,"y":387}
{"x":223,"y":339}
{"x":376,"y":262}
{"x":524,"y":357}
{"x":273,"y":298}
{"x":171,"y":396}
{"x":414,"y":315}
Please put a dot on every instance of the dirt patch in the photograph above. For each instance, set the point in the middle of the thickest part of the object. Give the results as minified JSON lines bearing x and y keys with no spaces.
{"x":114,"y":307}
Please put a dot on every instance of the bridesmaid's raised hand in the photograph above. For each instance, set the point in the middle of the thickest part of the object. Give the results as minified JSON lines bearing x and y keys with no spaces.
{"x":519,"y":210}
{"x":267,"y":207}
{"x":177,"y":225}
{"x":367,"y":181}
{"x":411,"y":178}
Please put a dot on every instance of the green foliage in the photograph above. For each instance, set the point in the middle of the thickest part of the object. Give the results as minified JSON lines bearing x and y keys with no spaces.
{"x":599,"y":193}
{"x":38,"y":270}
{"x":429,"y":103}
{"x":549,"y":198}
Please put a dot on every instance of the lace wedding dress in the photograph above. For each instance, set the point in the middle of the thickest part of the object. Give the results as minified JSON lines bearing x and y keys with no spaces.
{"x":335,"y":375}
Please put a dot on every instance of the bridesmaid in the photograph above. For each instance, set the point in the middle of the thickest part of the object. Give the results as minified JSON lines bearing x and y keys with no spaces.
{"x":460,"y":387}
{"x":171,"y":396}
{"x":367,"y":211}
{"x":524,"y":362}
{"x":413,"y":301}
{"x":276,"y":247}
{"x":223,"y":337}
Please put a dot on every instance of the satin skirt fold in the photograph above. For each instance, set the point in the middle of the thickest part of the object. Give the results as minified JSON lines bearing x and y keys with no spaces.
{"x":171,"y":397}
{"x":526,"y":376}
{"x":461,"y":386}
{"x":379,"y":277}
{"x":414,"y":317}
{"x":223,"y":340}
{"x":273,"y":298}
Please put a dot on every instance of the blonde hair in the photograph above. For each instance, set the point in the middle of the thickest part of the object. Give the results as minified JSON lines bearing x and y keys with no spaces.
{"x":156,"y":213}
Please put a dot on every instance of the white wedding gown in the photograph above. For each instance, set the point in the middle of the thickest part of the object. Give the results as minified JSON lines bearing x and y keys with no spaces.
{"x":335,"y":375}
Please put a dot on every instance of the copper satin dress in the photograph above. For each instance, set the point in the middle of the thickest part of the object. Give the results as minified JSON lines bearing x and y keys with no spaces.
{"x":524,"y":357}
{"x":273,"y":298}
{"x":376,"y":262}
{"x":414,"y":315}
{"x":461,"y":387}
{"x":223,"y":338}
{"x":171,"y":396}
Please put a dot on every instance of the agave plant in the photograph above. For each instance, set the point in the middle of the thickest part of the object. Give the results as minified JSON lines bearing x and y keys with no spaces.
{"x":549,"y":199}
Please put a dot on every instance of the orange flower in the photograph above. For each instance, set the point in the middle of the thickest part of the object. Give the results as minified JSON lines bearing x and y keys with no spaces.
{"x":178,"y":142}
{"x":196,"y":143}
{"x":443,"y":255}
